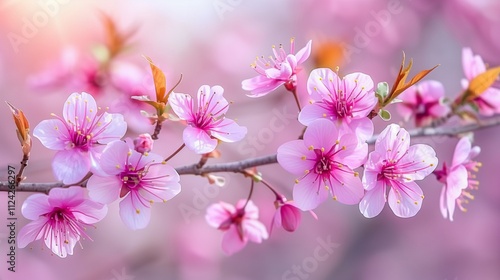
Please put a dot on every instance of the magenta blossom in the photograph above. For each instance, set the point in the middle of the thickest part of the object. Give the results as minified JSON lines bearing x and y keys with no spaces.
{"x":458,"y":179}
{"x":280,"y":70}
{"x":345,"y":101}
{"x":79,"y":136}
{"x":206,"y":123}
{"x":424,"y":101}
{"x":143,"y":143}
{"x":59,"y":218}
{"x":287,"y":215}
{"x":396,"y":165}
{"x":140,"y":179}
{"x":488,"y":102}
{"x":325,"y":159}
{"x":240,"y":224}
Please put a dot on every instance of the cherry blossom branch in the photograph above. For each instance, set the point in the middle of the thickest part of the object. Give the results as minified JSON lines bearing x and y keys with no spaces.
{"x":240,"y":166}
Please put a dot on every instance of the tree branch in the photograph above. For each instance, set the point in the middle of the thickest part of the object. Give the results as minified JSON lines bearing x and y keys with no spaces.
{"x":240,"y":166}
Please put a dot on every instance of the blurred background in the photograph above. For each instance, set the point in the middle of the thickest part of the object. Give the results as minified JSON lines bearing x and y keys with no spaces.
{"x":51,"y":48}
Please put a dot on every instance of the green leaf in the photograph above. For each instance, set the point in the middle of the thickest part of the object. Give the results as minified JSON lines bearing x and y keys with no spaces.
{"x":385,"y":115}
{"x":382,"y":90}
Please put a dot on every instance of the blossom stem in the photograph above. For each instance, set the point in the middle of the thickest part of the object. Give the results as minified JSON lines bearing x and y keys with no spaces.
{"x":176,"y":152}
{"x":155,"y":134}
{"x":249,"y":194}
{"x":294,"y":92}
{"x":240,"y":166}
{"x":19,"y":176}
{"x":278,"y":195}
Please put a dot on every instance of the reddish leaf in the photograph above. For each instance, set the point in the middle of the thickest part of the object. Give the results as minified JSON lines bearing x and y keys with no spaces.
{"x":159,"y":80}
{"x":482,"y":82}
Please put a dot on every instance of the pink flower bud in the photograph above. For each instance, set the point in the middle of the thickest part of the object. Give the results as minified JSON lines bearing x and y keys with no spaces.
{"x":290,"y":217}
{"x":143,"y":143}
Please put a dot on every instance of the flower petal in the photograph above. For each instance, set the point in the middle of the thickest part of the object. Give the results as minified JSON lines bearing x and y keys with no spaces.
{"x":405,"y":199}
{"x":218,"y":213}
{"x":254,"y":230}
{"x":228,"y":131}
{"x":462,"y":151}
{"x":104,"y":189}
{"x":70,"y":166}
{"x":260,"y":85}
{"x":374,"y":200}
{"x":308,"y":193}
{"x":418,"y":162}
{"x":323,"y":81}
{"x":31,"y":232}
{"x":231,"y":241}
{"x":212,"y":100}
{"x":182,"y":105}
{"x":321,"y":134}
{"x":346,"y":187}
{"x":90,"y":212}
{"x":114,"y":158}
{"x":53,"y":134}
{"x":113,"y":128}
{"x":135,"y":211}
{"x":66,"y":197}
{"x":35,"y":206}
{"x":79,"y":106}
{"x":290,"y":157}
{"x":303,"y":53}
{"x":315,"y":111}
{"x":198,"y":141}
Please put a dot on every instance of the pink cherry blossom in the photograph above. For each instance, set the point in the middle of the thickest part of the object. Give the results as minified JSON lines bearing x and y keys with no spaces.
{"x":207,"y":123}
{"x":280,"y":70}
{"x":59,"y":218}
{"x":79,"y":136}
{"x":458,"y":179}
{"x":346,"y":101}
{"x":424,"y":101}
{"x":140,"y":179}
{"x":239,"y":223}
{"x":488,"y":102}
{"x":396,"y":165}
{"x":143,"y":143}
{"x":325,"y":160}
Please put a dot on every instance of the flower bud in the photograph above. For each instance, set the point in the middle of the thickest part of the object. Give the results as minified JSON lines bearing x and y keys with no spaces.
{"x":143,"y":143}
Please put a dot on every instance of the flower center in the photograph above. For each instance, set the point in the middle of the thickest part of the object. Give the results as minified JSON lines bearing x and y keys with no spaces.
{"x":323,"y":165}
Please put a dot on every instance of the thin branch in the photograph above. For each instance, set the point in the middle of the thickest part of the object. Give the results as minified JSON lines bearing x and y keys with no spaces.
{"x":240,"y":166}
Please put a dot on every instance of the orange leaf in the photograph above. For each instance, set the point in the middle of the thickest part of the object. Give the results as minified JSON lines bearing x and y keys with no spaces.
{"x":159,"y":80}
{"x":415,"y":79}
{"x":482,"y":82}
{"x":115,"y":41}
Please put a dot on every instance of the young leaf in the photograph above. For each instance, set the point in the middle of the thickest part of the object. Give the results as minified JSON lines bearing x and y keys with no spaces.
{"x":482,"y":82}
{"x":159,"y":80}
{"x":385,"y":115}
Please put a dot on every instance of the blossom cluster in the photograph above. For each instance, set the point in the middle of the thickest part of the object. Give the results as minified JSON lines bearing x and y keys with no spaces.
{"x":331,"y":159}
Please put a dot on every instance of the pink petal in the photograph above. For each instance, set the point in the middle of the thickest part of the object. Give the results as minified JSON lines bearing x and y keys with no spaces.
{"x":231,"y":241}
{"x":104,"y":189}
{"x":431,"y":91}
{"x":393,"y":142}
{"x":354,"y":154}
{"x":114,"y":158}
{"x":419,"y":162}
{"x":290,"y":157}
{"x":35,"y":206}
{"x":113,"y":128}
{"x":473,"y":65}
{"x":90,"y":212}
{"x":198,"y":141}
{"x":291,"y":217}
{"x":404,"y":110}
{"x":456,"y":181}
{"x":260,"y":85}
{"x":254,"y":230}
{"x":70,"y":166}
{"x":362,"y":127}
{"x":66,"y":197}
{"x":491,"y":100}
{"x":303,"y":53}
{"x":439,"y":110}
{"x":409,"y":96}
{"x":228,"y":131}
{"x":360,"y":91}
{"x":308,"y":194}
{"x":182,"y":105}
{"x":218,"y":213}
{"x":315,"y":111}
{"x":323,"y":81}
{"x":79,"y":106}
{"x":409,"y":196}
{"x":321,"y":134}
{"x":370,"y":178}
{"x":251,"y":210}
{"x":52,"y":138}
{"x":135,"y":211}
{"x":31,"y":232}
{"x":374,"y":200}
{"x":282,"y":74}
{"x":347,"y":188}
{"x":164,"y":183}
{"x":446,"y":204}
{"x":213,"y":100}
{"x":462,"y":151}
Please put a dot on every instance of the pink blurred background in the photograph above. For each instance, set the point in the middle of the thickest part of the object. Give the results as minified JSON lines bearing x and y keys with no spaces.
{"x":213,"y":42}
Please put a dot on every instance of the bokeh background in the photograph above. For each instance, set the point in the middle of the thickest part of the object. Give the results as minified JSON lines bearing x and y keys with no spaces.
{"x":213,"y":42}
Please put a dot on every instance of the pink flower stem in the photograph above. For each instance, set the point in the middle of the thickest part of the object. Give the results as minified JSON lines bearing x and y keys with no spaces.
{"x":278,"y":195}
{"x":294,"y":92}
{"x":176,"y":152}
{"x":249,"y":195}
